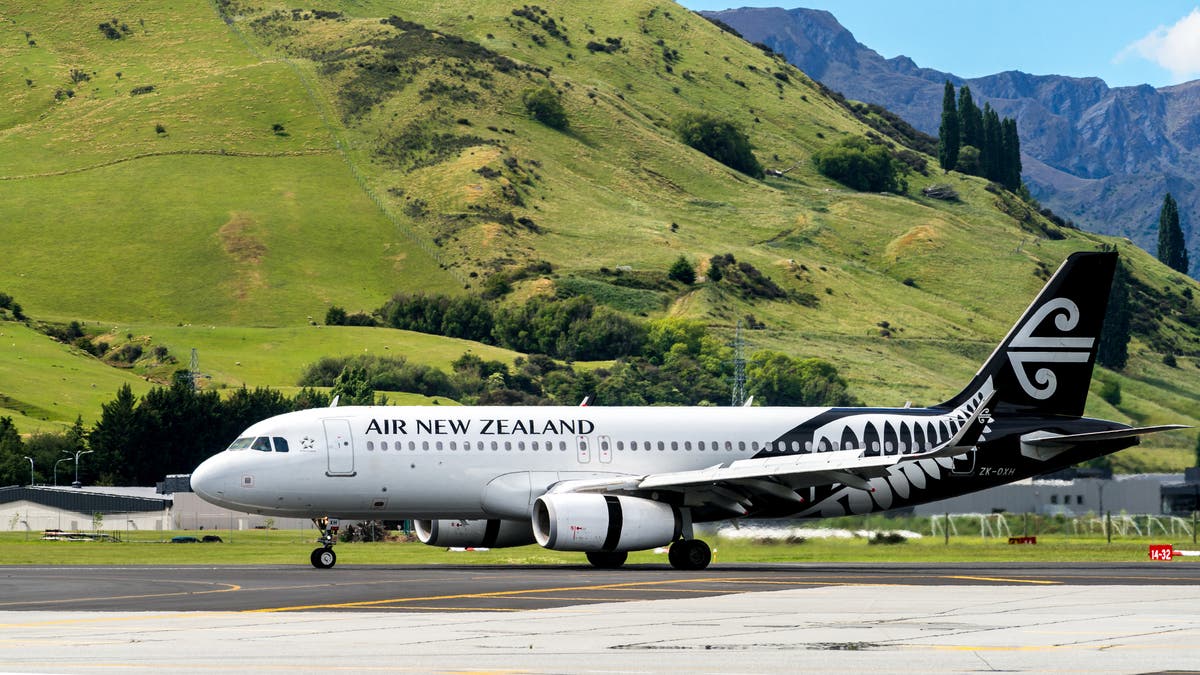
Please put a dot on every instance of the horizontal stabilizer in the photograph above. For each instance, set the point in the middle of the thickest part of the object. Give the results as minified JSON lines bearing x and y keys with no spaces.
{"x":1048,"y":440}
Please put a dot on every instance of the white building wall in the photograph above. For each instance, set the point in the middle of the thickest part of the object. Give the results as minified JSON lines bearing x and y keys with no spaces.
{"x":26,"y":516}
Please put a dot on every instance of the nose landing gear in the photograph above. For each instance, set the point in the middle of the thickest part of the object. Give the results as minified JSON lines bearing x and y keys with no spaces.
{"x":323,"y":558}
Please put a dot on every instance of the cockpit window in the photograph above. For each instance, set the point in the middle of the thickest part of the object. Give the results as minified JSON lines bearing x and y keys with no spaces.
{"x":280,"y":444}
{"x":262,"y":444}
{"x":241,"y":444}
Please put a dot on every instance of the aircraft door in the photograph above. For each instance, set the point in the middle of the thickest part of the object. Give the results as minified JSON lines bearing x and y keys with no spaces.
{"x":339,"y":446}
{"x":584,"y":446}
{"x":604,"y":444}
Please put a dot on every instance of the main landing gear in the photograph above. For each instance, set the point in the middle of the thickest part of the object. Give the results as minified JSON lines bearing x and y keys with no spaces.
{"x":323,"y":558}
{"x":684,"y":554}
{"x":689,"y":554}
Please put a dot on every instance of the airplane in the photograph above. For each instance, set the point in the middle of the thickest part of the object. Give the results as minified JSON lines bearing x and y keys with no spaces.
{"x":605,"y":481}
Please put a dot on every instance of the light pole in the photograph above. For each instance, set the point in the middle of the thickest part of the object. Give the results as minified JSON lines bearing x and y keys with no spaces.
{"x":77,"y":455}
{"x":64,"y":459}
{"x":30,"y":471}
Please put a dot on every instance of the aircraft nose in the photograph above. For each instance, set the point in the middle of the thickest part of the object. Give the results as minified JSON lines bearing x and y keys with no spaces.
{"x":209,"y":480}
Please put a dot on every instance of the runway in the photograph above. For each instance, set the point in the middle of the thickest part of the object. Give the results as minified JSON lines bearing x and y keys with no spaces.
{"x":1132,"y":618}
{"x":442,"y":588}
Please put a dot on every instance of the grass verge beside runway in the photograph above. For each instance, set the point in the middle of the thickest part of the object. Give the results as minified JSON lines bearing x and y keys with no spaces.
{"x":258,"y":547}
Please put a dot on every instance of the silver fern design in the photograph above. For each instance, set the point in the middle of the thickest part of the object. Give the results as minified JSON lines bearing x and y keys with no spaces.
{"x":904,"y":480}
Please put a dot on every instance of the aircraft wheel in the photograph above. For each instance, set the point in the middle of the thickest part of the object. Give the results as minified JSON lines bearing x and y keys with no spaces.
{"x":607,"y":561}
{"x":689,"y":554}
{"x":323,"y":558}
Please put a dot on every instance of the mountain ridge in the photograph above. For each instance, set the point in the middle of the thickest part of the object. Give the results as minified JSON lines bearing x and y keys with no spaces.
{"x":1136,"y":142}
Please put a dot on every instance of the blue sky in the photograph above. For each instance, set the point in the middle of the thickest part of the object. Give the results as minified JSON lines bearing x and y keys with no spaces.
{"x":1122,"y":42}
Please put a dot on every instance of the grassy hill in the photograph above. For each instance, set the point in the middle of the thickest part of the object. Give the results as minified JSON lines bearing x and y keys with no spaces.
{"x":284,"y":161}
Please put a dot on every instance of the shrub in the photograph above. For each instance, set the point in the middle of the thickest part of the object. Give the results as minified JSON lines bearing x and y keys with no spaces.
{"x":859,"y":165}
{"x":544,"y":106}
{"x":335,"y":316}
{"x":721,"y":140}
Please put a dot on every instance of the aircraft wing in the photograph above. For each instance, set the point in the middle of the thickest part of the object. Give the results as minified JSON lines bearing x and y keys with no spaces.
{"x":737,"y":485}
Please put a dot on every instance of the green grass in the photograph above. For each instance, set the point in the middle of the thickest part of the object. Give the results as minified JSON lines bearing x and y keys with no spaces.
{"x":260,"y":547}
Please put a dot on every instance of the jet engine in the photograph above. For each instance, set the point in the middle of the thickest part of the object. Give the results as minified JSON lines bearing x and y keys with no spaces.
{"x":594,"y":522}
{"x":474,"y":533}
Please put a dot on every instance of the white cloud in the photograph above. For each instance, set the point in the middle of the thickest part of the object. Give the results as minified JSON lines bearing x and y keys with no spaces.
{"x":1176,"y":48}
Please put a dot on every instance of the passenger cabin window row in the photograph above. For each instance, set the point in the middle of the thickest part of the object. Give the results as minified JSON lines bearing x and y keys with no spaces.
{"x":261,"y":444}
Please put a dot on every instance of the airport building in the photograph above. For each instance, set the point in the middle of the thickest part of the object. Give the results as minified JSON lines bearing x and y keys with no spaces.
{"x":169,"y":506}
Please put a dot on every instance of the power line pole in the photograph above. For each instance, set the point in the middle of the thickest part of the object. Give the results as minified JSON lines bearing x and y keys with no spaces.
{"x":739,"y":368}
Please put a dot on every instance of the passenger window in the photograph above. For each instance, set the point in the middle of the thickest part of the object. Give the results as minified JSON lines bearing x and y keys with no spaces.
{"x":383,"y":445}
{"x":620,"y":445}
{"x":562,"y":445}
{"x":741,"y":445}
{"x":808,"y":446}
{"x":754,"y":446}
{"x":508,"y":445}
{"x":453,"y":445}
{"x":661,"y":446}
{"x":633,"y":445}
{"x":495,"y":445}
{"x":412,"y":445}
{"x":521,"y":446}
{"x":424,"y":445}
{"x":370,"y":445}
{"x":674,"y":445}
{"x":439,"y":445}
{"x":700,"y":445}
{"x":603,"y":444}
{"x":261,"y":444}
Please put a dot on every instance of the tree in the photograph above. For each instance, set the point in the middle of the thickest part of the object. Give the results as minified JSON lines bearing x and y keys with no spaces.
{"x":1113,"y":349}
{"x":353,"y":387}
{"x":336,"y":316}
{"x":949,"y":133}
{"x":857,"y":164}
{"x":117,"y":431}
{"x":721,"y":140}
{"x":991,"y":152}
{"x":1172,"y":250}
{"x":682,"y":271}
{"x":1010,"y":152}
{"x":14,"y":468}
{"x":970,"y":119}
{"x":544,"y":106}
{"x":778,"y":379}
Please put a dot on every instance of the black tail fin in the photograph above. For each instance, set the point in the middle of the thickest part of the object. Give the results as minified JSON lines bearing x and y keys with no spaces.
{"x":1044,"y":365}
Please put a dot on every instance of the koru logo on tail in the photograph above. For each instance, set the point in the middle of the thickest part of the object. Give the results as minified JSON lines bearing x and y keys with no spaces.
{"x":1026,"y":349}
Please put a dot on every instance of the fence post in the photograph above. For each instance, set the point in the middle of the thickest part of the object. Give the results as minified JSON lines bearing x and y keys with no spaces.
{"x":946,"y":527}
{"x":1108,"y":526}
{"x":1193,"y":527}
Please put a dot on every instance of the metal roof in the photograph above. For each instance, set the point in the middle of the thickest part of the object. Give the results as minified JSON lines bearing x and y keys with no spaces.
{"x":88,"y":500}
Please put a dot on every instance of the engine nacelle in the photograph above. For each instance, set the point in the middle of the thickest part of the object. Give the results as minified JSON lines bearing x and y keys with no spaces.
{"x":600,"y":523}
{"x":475,"y":533}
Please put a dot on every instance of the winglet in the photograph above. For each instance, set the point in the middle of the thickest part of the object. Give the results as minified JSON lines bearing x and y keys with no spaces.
{"x":584,"y":402}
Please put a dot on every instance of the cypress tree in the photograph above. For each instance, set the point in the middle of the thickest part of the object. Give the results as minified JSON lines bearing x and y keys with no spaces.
{"x":1112,"y":352}
{"x":949,"y":134}
{"x":1172,"y":250}
{"x":991,"y":151}
{"x":970,"y":120}
{"x":1010,"y":144}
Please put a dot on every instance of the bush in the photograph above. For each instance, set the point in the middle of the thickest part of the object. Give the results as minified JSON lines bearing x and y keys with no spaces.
{"x":859,"y":165}
{"x":721,"y":140}
{"x":544,"y":106}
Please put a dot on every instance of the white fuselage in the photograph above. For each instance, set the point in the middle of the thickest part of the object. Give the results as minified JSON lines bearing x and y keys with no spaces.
{"x":471,"y":462}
